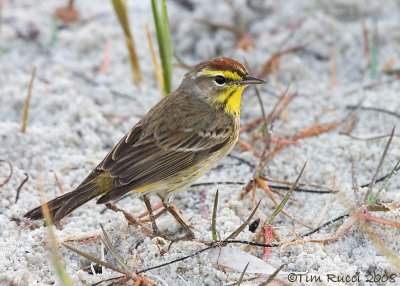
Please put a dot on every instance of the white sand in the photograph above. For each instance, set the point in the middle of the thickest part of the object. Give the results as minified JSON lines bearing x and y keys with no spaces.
{"x":76,"y":116}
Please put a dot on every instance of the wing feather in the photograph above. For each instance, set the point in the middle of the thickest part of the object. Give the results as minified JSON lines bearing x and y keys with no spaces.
{"x":157,"y":156}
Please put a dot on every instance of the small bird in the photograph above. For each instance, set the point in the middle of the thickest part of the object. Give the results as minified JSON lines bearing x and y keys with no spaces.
{"x":178,"y":140}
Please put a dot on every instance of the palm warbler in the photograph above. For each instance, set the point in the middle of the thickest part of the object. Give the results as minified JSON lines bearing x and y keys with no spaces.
{"x":177,"y":141}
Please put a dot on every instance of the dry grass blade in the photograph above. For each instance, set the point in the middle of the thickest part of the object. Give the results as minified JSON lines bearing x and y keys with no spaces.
{"x":27,"y":101}
{"x":285,"y":198}
{"x":246,"y":146}
{"x":96,"y":260}
{"x":105,"y":63}
{"x":214,"y":218}
{"x":373,"y":181}
{"x":281,"y":104}
{"x":317,"y":129}
{"x":156,"y":67}
{"x":280,"y":206}
{"x":383,"y":207}
{"x":55,"y":254}
{"x":334,"y":78}
{"x":68,"y":14}
{"x":354,"y":180}
{"x":272,"y":276}
{"x":270,"y":65}
{"x":121,"y":11}
{"x":251,"y":125}
{"x":239,"y":230}
{"x":107,"y":242}
{"x":58,"y":183}
{"x":264,"y":127}
{"x":164,"y":42}
{"x":243,"y":273}
{"x":220,"y":26}
{"x":374,"y":197}
{"x":390,"y":254}
{"x":1,"y":13}
{"x":9,"y":175}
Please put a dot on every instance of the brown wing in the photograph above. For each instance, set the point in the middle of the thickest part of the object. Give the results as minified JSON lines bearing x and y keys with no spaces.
{"x":140,"y":159}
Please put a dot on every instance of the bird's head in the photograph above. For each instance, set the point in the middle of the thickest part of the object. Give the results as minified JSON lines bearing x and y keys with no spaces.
{"x":221,"y":82}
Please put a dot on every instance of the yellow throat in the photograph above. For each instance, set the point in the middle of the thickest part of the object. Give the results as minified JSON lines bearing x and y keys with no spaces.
{"x":231,"y":97}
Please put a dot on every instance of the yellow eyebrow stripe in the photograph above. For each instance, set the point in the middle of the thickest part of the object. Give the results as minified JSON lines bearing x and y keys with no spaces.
{"x":227,"y":74}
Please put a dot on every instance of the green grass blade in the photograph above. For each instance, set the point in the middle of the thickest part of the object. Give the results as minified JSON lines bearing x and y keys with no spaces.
{"x":242,"y":275}
{"x":164,"y":42}
{"x":374,"y":197}
{"x":279,"y":208}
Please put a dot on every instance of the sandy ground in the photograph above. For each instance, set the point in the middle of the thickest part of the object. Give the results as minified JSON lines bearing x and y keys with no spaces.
{"x":77,"y":114}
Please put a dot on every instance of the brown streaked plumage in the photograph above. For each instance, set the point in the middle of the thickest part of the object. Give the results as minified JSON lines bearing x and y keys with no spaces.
{"x":178,"y":140}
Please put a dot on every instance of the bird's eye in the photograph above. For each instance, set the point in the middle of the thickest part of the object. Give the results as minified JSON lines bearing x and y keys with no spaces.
{"x":219,"y":79}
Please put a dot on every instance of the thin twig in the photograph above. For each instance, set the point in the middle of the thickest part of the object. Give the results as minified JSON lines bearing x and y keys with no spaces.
{"x":325,"y":225}
{"x":366,"y":138}
{"x":20,"y":186}
{"x":219,"y":243}
{"x":214,"y":218}
{"x":241,"y":160}
{"x":377,"y":109}
{"x":9,"y":175}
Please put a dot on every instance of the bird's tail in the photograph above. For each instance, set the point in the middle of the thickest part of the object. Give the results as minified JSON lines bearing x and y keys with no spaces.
{"x":65,"y":204}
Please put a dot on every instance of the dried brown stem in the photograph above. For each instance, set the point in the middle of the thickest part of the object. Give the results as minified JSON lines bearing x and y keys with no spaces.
{"x":7,"y":179}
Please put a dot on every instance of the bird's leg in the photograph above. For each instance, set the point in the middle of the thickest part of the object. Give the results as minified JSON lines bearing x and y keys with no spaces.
{"x":156,"y":231}
{"x":176,"y":214}
{"x":129,"y":217}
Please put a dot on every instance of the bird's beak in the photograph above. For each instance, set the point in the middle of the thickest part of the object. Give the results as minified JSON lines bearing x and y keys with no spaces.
{"x":251,"y":80}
